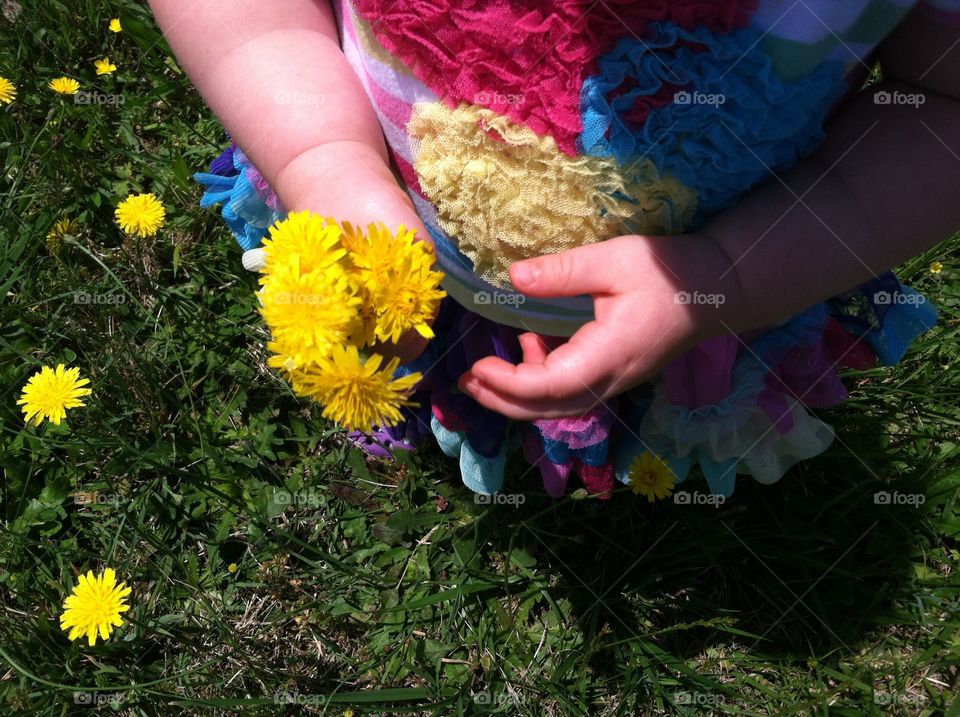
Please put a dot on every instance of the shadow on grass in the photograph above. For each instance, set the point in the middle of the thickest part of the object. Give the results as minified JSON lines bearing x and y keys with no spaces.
{"x":797,"y":569}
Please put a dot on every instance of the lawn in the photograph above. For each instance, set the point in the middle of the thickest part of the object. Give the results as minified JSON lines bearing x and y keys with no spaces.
{"x":276,"y":570}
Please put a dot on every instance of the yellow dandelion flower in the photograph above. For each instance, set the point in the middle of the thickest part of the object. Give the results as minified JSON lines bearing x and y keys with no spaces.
{"x":307,"y":312}
{"x":104,"y":66}
{"x":64,"y":86}
{"x":49,"y":393}
{"x":410,"y":302}
{"x":94,"y":606}
{"x":232,"y":568}
{"x":288,"y":358}
{"x":936,"y":267}
{"x":350,"y":235}
{"x":58,"y":232}
{"x":356,"y":392}
{"x":311,"y":237}
{"x":115,"y":25}
{"x":141,"y":215}
{"x":396,"y":276}
{"x":8,"y":92}
{"x":652,"y":477}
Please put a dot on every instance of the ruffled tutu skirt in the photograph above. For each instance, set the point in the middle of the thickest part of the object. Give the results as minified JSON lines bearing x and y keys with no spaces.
{"x":731,"y":405}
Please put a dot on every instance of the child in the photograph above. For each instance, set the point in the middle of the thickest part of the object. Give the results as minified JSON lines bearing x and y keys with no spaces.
{"x":619,"y":192}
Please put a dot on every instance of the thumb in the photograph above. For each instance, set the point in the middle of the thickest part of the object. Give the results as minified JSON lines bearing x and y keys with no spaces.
{"x":587,"y":269}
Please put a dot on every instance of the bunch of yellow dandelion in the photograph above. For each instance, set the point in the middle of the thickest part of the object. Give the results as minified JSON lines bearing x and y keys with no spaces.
{"x":8,"y":91}
{"x":652,"y":477}
{"x":94,"y":606}
{"x":49,"y":393}
{"x":329,"y":294}
{"x":140,"y":215}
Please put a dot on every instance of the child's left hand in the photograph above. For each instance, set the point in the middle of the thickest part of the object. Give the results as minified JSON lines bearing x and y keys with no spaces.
{"x":642,"y":321}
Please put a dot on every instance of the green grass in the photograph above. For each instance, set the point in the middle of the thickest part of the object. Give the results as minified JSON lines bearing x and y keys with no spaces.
{"x":384,"y":588}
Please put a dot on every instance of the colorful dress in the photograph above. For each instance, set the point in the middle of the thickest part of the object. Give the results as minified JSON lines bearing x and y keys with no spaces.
{"x":522,"y":127}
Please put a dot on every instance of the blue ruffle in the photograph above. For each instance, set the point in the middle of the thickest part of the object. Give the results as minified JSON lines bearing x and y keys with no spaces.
{"x":560,"y":452}
{"x":889,"y":315}
{"x":763,"y":125}
{"x":479,"y":473}
{"x":804,"y":329}
{"x":903,"y":323}
{"x":242,"y":208}
{"x":720,"y":476}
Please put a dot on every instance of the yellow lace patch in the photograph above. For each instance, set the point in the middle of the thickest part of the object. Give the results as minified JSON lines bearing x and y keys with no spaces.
{"x":504,"y":193}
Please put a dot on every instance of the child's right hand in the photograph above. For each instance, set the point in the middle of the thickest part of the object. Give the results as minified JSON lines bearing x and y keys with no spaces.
{"x":351,"y":182}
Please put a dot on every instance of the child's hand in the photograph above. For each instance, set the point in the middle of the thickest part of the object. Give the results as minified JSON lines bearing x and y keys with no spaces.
{"x":351,"y":182}
{"x":646,"y":313}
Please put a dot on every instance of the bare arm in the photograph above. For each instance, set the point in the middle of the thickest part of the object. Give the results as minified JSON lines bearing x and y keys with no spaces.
{"x":882,"y":188}
{"x":273,"y":73}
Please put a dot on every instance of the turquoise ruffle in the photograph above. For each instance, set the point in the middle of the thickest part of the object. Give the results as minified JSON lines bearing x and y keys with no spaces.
{"x":242,"y":207}
{"x":731,"y":123}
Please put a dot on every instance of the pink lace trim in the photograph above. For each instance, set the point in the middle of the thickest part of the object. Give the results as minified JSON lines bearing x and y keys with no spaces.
{"x":579,"y":431}
{"x":598,"y":480}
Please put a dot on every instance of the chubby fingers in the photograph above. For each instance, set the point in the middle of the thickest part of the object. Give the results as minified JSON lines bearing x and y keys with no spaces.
{"x":587,"y":269}
{"x":566,"y":382}
{"x":534,"y":348}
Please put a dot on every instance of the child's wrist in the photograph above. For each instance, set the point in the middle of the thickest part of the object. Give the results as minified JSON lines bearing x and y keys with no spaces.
{"x":713,"y":289}
{"x":325,"y":171}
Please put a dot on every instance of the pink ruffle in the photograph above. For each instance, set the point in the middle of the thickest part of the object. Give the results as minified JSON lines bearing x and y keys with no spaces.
{"x":703,"y":375}
{"x":555,"y":477}
{"x":446,"y":414}
{"x":591,"y":428}
{"x":848,"y":349}
{"x":527,"y":59}
{"x":598,"y":480}
{"x":809,"y":373}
